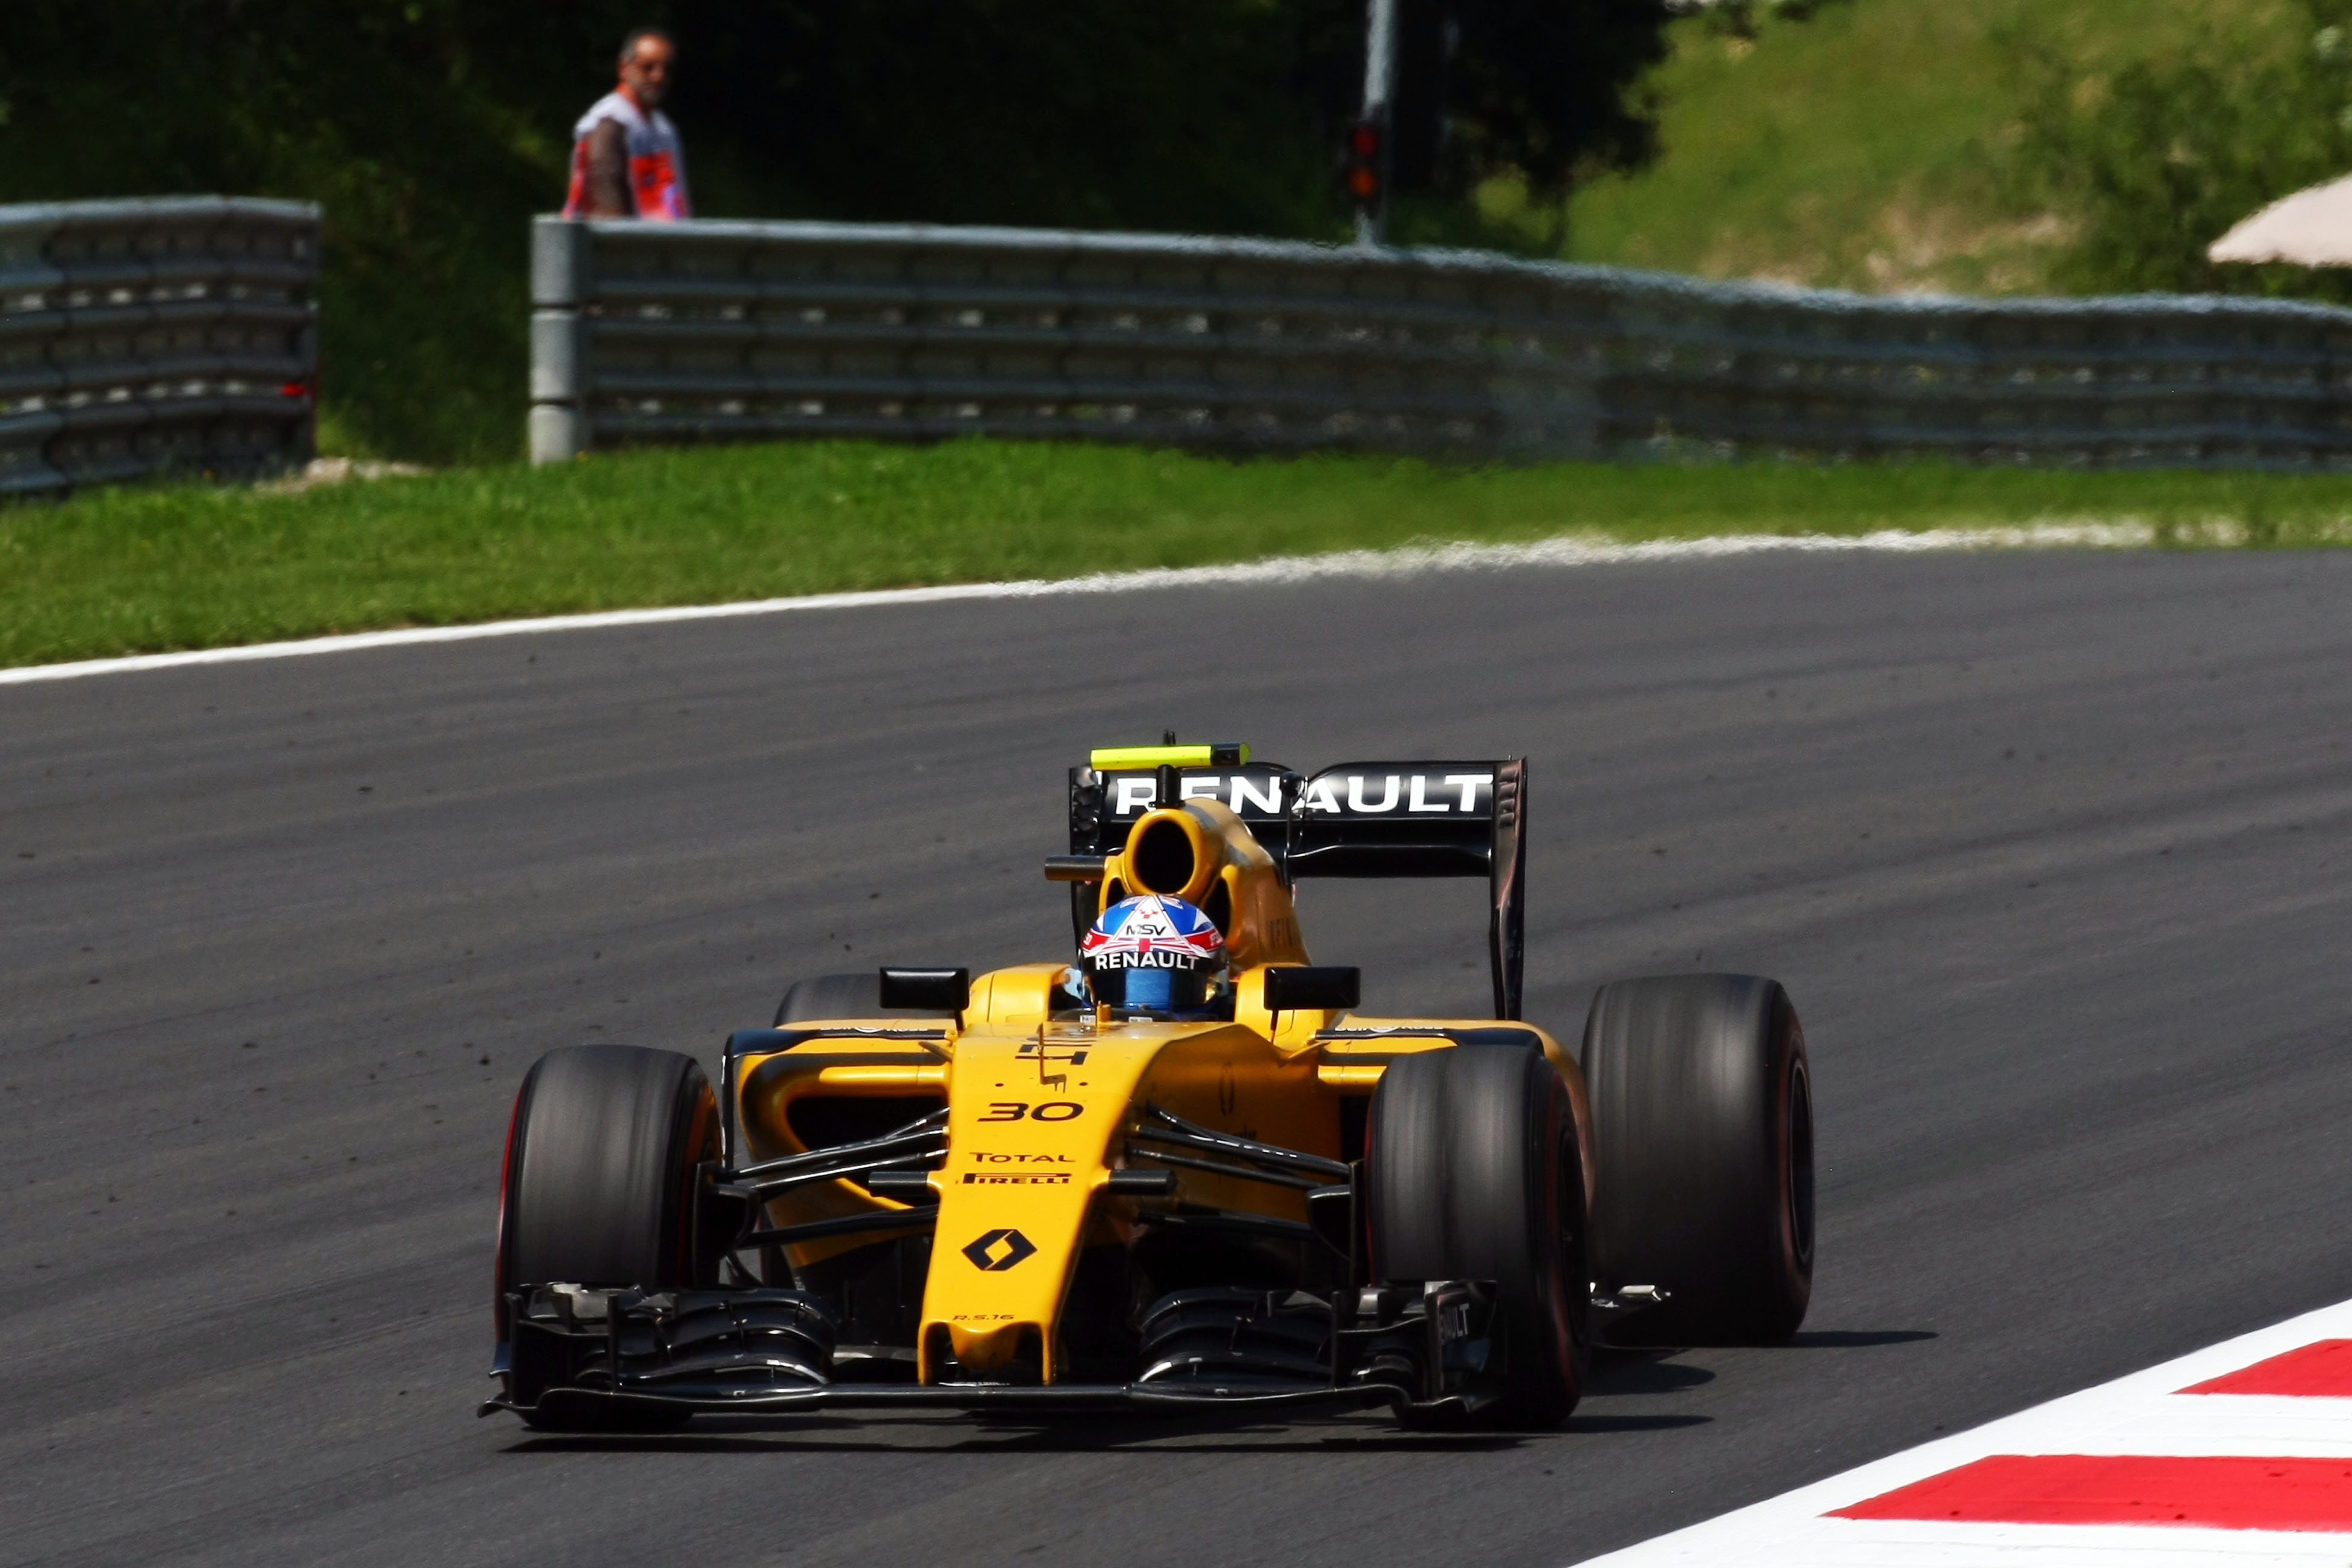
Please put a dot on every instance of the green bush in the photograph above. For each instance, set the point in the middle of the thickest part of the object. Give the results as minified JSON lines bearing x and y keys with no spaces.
{"x":2158,"y":157}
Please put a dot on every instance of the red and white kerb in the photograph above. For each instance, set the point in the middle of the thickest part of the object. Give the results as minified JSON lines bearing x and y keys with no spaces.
{"x":2236,"y":1455}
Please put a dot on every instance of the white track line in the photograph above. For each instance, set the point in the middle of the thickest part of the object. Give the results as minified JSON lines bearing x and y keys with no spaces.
{"x":1411,"y":560}
{"x":2142,"y":1413}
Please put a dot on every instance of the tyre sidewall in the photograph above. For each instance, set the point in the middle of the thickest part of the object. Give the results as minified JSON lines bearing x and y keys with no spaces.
{"x":1474,"y":1173}
{"x":1793,"y":1148}
{"x":1699,"y":1084}
{"x":601,"y":1170}
{"x":1542,"y":1312}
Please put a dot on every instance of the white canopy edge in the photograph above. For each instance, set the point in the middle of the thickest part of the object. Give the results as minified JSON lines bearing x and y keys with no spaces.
{"x":2310,"y":228}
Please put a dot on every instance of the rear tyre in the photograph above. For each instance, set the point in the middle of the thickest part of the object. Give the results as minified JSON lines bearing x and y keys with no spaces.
{"x":1472,"y":1172}
{"x":1703,"y":1142}
{"x":601,"y":1182}
{"x":824,"y":996}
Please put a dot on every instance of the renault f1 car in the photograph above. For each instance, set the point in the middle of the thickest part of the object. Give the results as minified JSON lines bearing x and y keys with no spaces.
{"x":920,"y":1188}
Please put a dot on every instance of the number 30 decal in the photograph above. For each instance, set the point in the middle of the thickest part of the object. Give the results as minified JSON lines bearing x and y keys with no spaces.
{"x":1050,"y":1111}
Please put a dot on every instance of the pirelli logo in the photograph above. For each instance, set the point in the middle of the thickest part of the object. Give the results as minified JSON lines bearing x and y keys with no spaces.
{"x":1016,"y":1178}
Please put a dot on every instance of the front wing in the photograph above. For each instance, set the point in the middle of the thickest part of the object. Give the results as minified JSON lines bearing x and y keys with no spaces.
{"x":1419,"y":1351}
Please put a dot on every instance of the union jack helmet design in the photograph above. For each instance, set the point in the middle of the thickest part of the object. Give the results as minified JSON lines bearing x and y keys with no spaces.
{"x":1153,"y":953}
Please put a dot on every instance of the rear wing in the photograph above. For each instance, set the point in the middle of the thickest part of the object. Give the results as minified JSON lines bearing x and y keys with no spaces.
{"x":1354,"y":819}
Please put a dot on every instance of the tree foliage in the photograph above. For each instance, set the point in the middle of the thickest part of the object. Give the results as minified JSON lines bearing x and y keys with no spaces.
{"x":1541,"y":88}
{"x":2157,"y":158}
{"x":431,"y":129}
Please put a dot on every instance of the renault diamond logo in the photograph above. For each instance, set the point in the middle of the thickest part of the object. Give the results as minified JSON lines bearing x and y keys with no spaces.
{"x":998,"y":1250}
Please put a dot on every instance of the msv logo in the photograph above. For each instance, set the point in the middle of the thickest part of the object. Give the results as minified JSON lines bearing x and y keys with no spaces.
{"x":994,"y":1251}
{"x":1151,"y":932}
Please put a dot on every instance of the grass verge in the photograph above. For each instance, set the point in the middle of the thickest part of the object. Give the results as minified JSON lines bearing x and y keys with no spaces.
{"x":149,"y":570}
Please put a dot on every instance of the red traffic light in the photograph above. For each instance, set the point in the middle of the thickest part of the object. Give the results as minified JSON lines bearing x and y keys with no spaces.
{"x":1363,"y":175}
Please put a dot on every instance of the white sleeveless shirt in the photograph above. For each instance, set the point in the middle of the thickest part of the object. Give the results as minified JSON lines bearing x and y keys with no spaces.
{"x":656,"y":160}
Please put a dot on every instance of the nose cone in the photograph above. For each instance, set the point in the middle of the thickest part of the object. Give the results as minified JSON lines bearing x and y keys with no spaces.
{"x":1034,"y":1121}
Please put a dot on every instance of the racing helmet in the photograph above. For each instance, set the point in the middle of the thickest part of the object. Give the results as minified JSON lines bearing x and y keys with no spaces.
{"x":1153,"y":954}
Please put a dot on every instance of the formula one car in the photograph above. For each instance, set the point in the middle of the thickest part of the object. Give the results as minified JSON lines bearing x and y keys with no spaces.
{"x":1176,"y":1173}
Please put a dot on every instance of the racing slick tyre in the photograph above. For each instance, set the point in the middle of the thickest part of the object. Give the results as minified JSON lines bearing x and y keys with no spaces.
{"x":601,"y":1185}
{"x":841,"y":996}
{"x":1702,"y":1145}
{"x":1472,"y":1172}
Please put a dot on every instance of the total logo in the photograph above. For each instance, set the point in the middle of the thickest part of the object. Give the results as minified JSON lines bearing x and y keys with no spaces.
{"x":994,"y":1251}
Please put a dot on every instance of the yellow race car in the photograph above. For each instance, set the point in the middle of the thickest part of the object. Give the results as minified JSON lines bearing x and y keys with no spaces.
{"x":1179,"y":1172}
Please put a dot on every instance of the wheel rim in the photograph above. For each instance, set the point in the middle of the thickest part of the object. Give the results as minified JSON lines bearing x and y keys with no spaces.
{"x":1798,"y":1139}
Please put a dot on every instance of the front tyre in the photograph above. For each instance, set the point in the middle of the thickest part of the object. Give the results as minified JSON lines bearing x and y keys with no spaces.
{"x":601,"y":1178}
{"x":1703,"y":1142}
{"x":1472,"y":1172}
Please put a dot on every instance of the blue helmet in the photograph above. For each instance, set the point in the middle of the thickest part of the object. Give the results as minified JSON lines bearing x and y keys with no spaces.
{"x":1153,"y":954}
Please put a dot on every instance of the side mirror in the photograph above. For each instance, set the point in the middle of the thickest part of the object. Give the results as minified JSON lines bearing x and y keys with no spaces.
{"x":927,"y":990}
{"x":1297,"y":987}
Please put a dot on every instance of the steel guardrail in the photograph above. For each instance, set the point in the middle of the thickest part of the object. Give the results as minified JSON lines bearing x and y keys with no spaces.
{"x":176,"y":334}
{"x":666,"y":332}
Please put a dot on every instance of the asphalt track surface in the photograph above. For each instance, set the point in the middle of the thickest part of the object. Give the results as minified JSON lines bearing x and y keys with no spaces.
{"x":2050,"y":849}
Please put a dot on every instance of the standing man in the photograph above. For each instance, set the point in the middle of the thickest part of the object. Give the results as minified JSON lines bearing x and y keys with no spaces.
{"x":626,"y":159}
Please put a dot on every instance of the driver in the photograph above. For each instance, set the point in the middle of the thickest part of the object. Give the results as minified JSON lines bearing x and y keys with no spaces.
{"x":1155,"y":956}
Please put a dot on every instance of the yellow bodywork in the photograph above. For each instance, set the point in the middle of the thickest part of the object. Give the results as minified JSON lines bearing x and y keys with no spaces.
{"x":1041,"y":1109}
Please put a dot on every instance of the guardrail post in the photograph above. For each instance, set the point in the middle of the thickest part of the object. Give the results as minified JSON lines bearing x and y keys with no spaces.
{"x":562,"y":293}
{"x":558,"y":433}
{"x":558,"y":386}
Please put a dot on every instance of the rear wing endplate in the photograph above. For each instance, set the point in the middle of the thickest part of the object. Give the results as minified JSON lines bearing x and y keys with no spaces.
{"x":1354,"y":819}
